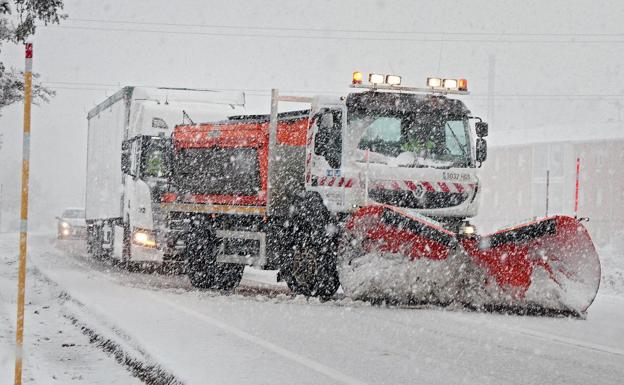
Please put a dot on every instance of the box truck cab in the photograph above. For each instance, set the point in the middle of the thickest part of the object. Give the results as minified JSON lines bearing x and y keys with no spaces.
{"x":127,"y":170}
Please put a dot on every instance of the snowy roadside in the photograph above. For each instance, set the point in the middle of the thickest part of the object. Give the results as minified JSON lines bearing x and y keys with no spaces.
{"x":242,"y":338}
{"x":56,"y":351}
{"x":612,"y":263}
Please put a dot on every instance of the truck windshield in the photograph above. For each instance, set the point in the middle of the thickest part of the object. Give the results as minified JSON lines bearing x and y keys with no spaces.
{"x":421,"y":138}
{"x":217,"y":171}
{"x":153,"y":162}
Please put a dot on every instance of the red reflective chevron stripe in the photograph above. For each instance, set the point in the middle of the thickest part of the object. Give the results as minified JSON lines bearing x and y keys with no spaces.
{"x":444,"y":187}
{"x":428,"y":186}
{"x":411,"y":185}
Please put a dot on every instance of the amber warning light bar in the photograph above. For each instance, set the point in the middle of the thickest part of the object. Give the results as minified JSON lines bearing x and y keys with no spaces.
{"x":393,"y":82}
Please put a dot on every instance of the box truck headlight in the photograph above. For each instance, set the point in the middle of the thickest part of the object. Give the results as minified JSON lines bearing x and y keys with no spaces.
{"x":65,"y":232}
{"x":144,"y":238}
{"x":65,"y":225}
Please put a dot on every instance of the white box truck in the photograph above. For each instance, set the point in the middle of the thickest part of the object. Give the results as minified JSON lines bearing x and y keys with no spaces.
{"x":127,"y":169}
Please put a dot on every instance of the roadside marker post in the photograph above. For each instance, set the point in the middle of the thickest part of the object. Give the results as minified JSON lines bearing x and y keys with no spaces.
{"x":21,"y":280}
{"x":576,"y":187}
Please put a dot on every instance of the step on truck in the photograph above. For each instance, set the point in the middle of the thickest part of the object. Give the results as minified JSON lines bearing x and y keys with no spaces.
{"x":371,"y":191}
{"x":127,"y":170}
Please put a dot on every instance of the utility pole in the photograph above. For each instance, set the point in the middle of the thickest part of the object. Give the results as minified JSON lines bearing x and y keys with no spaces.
{"x":491,"y":88}
{"x":547,"y":189}
{"x":0,"y":207}
{"x":21,"y":278}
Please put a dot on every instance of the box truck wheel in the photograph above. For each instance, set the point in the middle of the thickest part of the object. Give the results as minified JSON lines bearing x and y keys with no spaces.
{"x":124,"y":260}
{"x":95,"y":241}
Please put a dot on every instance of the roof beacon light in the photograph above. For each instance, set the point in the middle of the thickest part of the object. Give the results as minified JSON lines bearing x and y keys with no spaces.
{"x":462,"y":85}
{"x":434,"y":82}
{"x":450,"y":84}
{"x":376,"y":79}
{"x":393,"y":80}
{"x":357,"y":77}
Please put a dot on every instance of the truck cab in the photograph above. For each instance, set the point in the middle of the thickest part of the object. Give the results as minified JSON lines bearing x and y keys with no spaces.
{"x":414,"y":150}
{"x":128,"y":171}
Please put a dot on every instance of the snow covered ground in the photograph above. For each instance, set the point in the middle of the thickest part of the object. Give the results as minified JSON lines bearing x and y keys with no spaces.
{"x":262,"y":334}
{"x":56,"y":351}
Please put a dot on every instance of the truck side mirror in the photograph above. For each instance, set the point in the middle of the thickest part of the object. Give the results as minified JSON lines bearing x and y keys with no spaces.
{"x":481,"y":148}
{"x":125,"y":157}
{"x":482,"y":129}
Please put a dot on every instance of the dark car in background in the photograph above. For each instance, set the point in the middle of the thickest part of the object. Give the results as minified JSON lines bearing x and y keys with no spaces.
{"x":72,"y":224}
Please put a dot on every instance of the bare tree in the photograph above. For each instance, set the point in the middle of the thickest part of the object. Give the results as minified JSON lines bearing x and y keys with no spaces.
{"x":18,"y":21}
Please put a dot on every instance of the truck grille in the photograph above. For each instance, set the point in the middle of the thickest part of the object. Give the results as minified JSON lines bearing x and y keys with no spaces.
{"x":430,"y":200}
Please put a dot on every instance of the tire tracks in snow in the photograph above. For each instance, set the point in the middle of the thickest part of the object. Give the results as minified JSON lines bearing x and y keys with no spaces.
{"x":148,"y":366}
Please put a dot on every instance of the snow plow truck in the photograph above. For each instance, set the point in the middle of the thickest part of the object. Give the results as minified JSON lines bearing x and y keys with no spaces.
{"x":371,"y":191}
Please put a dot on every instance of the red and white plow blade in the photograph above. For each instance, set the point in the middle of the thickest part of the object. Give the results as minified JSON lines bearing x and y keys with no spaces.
{"x":390,"y":254}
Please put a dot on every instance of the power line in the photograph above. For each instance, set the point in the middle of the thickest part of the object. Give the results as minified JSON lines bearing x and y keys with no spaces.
{"x":261,"y":92}
{"x":338,"y":38}
{"x":344,"y":30}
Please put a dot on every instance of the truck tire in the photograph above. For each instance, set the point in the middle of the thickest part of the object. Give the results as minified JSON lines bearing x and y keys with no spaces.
{"x":126,"y":249}
{"x":311,"y":269}
{"x":95,"y":242}
{"x":205,"y":272}
{"x":313,"y":273}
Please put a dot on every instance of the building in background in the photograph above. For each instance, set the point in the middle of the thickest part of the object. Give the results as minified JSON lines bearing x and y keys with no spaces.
{"x":515,"y":175}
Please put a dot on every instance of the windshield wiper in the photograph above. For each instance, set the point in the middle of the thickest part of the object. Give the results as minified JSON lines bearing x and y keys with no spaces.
{"x":456,"y":140}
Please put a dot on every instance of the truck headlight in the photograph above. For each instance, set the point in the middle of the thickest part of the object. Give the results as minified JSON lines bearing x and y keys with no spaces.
{"x":65,"y":225}
{"x":144,"y":238}
{"x":467,"y":230}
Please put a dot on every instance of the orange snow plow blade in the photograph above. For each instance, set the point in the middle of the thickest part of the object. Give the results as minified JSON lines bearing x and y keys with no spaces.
{"x":549,"y":264}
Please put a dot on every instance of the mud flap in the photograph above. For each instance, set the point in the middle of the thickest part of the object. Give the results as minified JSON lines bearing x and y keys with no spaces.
{"x":550,"y":263}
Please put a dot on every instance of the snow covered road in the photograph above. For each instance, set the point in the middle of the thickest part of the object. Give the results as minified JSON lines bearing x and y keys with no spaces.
{"x":272,"y":338}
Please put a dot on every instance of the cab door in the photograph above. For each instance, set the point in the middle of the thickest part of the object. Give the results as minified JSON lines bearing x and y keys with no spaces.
{"x":324,"y":155}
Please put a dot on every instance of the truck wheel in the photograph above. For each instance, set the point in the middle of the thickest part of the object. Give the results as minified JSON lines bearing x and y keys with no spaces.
{"x":90,"y":240}
{"x":126,"y":248}
{"x":313,"y":271}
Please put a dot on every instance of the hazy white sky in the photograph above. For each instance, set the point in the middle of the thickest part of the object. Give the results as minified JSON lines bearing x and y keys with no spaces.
{"x":544,"y":52}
